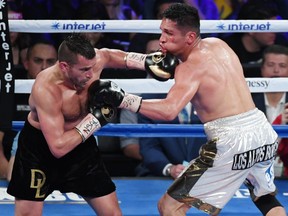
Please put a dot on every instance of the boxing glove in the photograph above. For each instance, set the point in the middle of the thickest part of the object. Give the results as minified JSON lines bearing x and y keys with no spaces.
{"x":161,"y":66}
{"x":98,"y":117}
{"x":106,"y":92}
{"x":105,"y":114}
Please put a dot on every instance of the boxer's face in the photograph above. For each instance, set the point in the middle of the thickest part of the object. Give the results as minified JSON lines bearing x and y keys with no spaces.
{"x":174,"y":39}
{"x":81,"y":72}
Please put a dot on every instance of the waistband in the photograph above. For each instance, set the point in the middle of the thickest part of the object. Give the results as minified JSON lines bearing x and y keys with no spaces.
{"x":247,"y":120}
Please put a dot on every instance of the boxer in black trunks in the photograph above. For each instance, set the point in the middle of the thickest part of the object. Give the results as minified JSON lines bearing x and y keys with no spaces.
{"x":81,"y":178}
{"x":53,"y":153}
{"x":56,"y":149}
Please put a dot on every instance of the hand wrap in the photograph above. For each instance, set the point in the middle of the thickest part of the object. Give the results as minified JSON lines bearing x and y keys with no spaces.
{"x":88,"y":126}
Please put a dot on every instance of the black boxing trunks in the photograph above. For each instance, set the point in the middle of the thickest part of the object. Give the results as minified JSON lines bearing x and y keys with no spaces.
{"x":37,"y":173}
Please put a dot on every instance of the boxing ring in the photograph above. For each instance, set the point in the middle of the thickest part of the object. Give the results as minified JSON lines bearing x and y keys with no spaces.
{"x":153,"y":86}
{"x":139,"y":196}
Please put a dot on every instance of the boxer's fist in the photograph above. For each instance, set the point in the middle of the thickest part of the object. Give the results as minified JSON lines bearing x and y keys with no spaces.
{"x":104,"y":114}
{"x":106,"y":92}
{"x":99,"y":115}
{"x":161,"y":66}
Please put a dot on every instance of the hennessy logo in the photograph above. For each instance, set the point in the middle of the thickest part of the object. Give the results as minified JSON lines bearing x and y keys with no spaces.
{"x":38,"y":179}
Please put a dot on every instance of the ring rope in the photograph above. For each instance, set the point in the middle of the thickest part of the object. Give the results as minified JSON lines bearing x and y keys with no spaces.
{"x":142,"y":26}
{"x":140,"y":86}
{"x":153,"y":86}
{"x":156,"y":130}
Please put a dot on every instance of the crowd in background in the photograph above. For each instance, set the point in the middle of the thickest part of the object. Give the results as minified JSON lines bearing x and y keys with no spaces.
{"x":249,"y":47}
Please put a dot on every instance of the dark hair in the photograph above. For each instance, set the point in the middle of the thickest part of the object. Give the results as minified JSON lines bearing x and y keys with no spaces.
{"x":39,"y":41}
{"x":73,"y":45}
{"x":274,"y":49}
{"x":258,"y":9}
{"x":158,"y":3}
{"x":184,"y":15}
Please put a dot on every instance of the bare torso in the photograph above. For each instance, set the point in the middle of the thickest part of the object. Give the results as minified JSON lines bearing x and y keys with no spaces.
{"x":211,"y":77}
{"x":222,"y":89}
{"x":71,"y":100}
{"x":59,"y":96}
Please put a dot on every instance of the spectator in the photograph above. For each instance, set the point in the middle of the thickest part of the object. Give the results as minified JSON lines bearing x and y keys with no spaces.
{"x":274,"y":64}
{"x":137,"y":6}
{"x":93,"y":10}
{"x":249,"y":46}
{"x":19,"y":41}
{"x":40,"y":55}
{"x":117,"y":10}
{"x":283,"y":142}
{"x":50,"y":9}
{"x":168,"y":156}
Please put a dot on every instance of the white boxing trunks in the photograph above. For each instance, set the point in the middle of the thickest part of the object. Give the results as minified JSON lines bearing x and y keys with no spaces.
{"x":239,"y":147}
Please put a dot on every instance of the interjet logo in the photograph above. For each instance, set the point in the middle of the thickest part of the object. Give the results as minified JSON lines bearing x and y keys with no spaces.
{"x":78,"y":26}
{"x":244,"y":26}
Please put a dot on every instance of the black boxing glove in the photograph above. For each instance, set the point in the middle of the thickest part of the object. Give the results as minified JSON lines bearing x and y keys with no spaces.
{"x":106,"y":92}
{"x":161,"y":66}
{"x":105,"y":114}
{"x":97,"y":118}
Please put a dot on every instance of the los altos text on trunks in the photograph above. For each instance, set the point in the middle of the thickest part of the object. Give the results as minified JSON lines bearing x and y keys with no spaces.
{"x":247,"y":159}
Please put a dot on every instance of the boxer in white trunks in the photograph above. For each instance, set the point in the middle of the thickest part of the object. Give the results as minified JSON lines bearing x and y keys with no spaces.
{"x":242,"y":143}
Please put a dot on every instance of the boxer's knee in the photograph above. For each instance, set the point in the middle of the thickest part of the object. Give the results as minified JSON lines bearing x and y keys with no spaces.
{"x":266,"y":203}
{"x":167,"y":206}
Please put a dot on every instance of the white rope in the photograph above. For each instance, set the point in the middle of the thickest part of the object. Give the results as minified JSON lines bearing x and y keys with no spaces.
{"x":139,"y":86}
{"x":142,"y":26}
